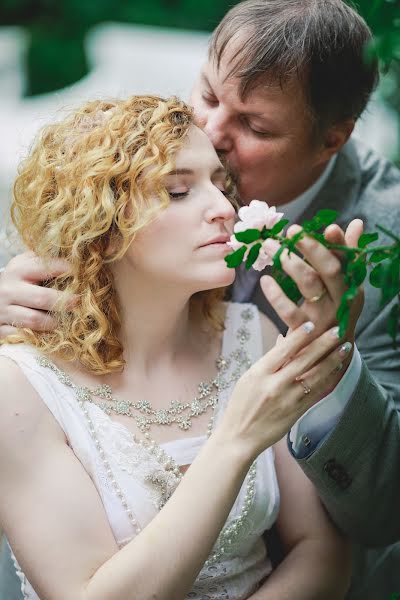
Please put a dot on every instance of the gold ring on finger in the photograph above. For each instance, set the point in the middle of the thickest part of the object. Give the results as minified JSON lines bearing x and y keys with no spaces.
{"x":318,"y":297}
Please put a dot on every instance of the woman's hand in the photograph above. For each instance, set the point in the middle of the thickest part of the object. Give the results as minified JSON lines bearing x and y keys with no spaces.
{"x":272,"y":395}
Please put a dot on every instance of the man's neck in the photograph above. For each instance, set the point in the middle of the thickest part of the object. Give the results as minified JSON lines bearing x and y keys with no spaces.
{"x":295,"y":208}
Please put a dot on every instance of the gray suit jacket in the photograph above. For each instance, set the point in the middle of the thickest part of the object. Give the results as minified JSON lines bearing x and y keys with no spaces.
{"x":357,"y":468}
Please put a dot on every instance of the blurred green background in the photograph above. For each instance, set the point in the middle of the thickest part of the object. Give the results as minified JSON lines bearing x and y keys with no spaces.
{"x":56,"y":31}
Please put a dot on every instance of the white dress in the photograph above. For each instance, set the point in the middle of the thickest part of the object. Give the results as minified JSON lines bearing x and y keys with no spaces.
{"x":114,"y":460}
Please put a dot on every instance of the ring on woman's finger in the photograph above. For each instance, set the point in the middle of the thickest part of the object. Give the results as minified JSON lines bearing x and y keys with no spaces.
{"x":305,"y":386}
{"x":318,"y":297}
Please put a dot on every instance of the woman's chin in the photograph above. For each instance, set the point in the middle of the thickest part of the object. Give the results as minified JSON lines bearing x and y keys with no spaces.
{"x":219,"y":277}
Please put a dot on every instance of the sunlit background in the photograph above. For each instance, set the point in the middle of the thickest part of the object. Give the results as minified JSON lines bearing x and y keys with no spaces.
{"x":56,"y":54}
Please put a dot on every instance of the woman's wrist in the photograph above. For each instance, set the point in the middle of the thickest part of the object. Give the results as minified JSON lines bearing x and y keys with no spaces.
{"x":243,"y":452}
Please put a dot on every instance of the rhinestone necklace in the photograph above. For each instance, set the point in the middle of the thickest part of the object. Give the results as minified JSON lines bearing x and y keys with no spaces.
{"x":180,"y":413}
{"x":169,"y":476}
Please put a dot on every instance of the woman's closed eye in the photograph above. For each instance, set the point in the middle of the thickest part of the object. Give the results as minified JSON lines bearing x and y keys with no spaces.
{"x":176,"y":195}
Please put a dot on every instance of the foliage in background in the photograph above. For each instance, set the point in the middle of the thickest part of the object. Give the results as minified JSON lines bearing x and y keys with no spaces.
{"x":383,"y":17}
{"x":56,"y":56}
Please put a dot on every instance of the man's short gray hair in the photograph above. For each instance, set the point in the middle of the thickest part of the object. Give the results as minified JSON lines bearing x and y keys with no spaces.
{"x":321,"y":42}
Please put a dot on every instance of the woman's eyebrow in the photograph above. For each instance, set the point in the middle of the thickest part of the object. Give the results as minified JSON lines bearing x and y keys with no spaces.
{"x":217,"y":171}
{"x":180,"y":172}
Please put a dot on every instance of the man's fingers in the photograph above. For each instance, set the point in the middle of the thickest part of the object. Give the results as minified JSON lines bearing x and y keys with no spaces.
{"x":353,"y":232}
{"x":286,"y":309}
{"x":307,"y":279}
{"x":326,"y":265}
{"x":41,"y":298}
{"x":38,"y":320}
{"x":335,"y":235}
{"x":29,"y":267}
{"x":6,"y":330}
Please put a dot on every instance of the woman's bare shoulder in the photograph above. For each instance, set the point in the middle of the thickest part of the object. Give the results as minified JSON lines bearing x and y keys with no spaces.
{"x":23,"y":415}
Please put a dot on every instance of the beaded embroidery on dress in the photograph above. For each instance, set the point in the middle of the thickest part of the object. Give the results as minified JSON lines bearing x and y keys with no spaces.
{"x":134,"y":482}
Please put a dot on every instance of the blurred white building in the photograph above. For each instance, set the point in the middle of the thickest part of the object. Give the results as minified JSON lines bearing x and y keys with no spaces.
{"x":124,"y":59}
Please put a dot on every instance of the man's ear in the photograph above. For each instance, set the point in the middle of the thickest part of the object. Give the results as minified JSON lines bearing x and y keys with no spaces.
{"x":335,"y":137}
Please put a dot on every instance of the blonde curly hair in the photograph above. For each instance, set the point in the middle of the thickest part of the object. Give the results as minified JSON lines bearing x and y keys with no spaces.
{"x":71,"y":200}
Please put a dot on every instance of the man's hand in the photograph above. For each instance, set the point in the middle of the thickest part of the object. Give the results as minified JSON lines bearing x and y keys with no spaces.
{"x":319,"y":277}
{"x":23,"y":302}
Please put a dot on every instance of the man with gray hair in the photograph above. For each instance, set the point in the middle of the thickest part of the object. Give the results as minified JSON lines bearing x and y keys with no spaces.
{"x":283,"y":86}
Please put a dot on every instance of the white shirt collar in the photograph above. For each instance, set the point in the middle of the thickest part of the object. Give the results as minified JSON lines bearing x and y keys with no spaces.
{"x":293,"y":209}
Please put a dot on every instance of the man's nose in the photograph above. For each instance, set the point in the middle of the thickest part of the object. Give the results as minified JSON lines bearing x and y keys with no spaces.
{"x":217,"y":129}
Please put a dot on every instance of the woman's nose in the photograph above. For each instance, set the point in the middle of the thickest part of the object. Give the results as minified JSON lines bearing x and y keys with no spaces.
{"x":220,"y":208}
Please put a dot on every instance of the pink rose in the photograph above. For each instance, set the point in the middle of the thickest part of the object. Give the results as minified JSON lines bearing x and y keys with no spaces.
{"x":256,"y":216}
{"x":263,"y":259}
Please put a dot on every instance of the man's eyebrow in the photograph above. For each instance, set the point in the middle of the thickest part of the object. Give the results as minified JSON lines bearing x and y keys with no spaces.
{"x":249,"y":113}
{"x":205,"y":79}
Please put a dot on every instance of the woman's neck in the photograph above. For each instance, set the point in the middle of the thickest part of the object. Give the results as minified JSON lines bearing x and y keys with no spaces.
{"x":157,"y":326}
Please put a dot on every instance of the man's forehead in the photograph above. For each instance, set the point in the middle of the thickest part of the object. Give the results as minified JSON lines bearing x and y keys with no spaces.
{"x":265,"y":90}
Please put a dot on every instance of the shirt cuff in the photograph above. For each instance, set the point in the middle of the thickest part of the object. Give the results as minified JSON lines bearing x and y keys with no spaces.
{"x":309,"y":431}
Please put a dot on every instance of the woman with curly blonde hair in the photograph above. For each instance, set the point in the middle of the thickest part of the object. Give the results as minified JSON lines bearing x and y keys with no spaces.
{"x":136,"y":437}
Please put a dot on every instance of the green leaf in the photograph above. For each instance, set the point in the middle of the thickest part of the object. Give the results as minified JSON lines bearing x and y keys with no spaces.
{"x":253,"y":255}
{"x":248,"y":236}
{"x":357,"y":272}
{"x":391,"y":286}
{"x":367,"y":238}
{"x":319,"y":237}
{"x":386,"y":276}
{"x":235,"y":258}
{"x":393,"y":324}
{"x":326,"y":216}
{"x":343,"y":312}
{"x":378,"y":256}
{"x":376,"y":277}
{"x":323,"y":218}
{"x":276,"y":259}
{"x":287,"y":284}
{"x":277,"y":228}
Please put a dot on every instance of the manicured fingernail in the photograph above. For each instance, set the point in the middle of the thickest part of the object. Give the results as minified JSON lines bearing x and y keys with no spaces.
{"x":345,"y":349}
{"x":308,"y":327}
{"x":335,"y":332}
